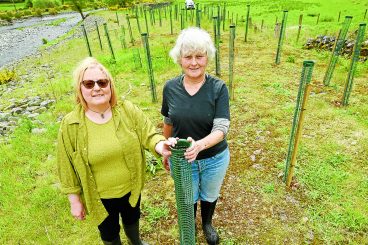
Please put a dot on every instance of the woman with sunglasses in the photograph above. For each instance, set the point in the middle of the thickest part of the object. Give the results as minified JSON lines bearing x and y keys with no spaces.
{"x":195,"y":106}
{"x":101,"y":161}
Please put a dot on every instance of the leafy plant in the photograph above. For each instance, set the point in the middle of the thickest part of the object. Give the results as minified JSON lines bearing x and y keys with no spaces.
{"x":43,"y":4}
{"x":7,"y":76}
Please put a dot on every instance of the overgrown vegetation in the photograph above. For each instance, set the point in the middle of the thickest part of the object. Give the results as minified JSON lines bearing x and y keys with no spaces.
{"x":7,"y":75}
{"x":327,"y":203}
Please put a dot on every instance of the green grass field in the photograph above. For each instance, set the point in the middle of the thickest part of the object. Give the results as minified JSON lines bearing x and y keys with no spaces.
{"x":328,"y":203}
{"x":10,"y":6}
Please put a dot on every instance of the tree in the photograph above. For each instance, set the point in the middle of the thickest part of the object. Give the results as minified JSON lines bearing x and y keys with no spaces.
{"x":79,"y":5}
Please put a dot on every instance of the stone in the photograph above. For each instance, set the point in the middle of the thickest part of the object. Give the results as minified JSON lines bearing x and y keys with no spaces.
{"x":16,"y":111}
{"x":38,"y":130}
{"x":253,"y":158}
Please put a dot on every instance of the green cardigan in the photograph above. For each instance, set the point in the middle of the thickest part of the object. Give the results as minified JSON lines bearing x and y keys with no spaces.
{"x":132,"y":127}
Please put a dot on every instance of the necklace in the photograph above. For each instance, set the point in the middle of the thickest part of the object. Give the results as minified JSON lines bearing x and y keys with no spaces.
{"x":101,"y":113}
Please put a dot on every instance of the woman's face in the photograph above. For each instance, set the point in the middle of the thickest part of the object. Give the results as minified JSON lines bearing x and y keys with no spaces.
{"x":95,"y":96}
{"x":194,"y":65}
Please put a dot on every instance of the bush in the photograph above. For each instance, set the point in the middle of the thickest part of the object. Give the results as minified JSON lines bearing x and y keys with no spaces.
{"x":44,"y":41}
{"x":53,"y":11}
{"x":18,"y":14}
{"x":7,"y":76}
{"x":27,"y":13}
{"x":28,"y":4}
{"x":37,"y":13}
{"x":43,"y":4}
{"x":5,"y":16}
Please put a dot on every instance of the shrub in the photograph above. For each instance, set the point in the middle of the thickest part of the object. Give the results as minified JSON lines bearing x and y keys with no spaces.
{"x":5,"y":16}
{"x":27,"y":13}
{"x":53,"y":11}
{"x":18,"y":14}
{"x":28,"y":4}
{"x":9,"y":14}
{"x":37,"y":13}
{"x":43,"y":4}
{"x":44,"y":41}
{"x":7,"y":76}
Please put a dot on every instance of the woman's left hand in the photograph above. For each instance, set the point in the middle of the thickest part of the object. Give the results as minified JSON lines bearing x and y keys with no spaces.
{"x":193,"y":150}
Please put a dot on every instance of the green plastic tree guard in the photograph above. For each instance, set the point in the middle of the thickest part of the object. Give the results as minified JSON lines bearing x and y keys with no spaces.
{"x":353,"y":64}
{"x":295,"y":135}
{"x":182,"y":174}
{"x":336,"y":52}
{"x":281,"y":37}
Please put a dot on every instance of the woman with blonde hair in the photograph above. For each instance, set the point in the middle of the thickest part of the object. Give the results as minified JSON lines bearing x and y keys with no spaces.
{"x":101,"y":160}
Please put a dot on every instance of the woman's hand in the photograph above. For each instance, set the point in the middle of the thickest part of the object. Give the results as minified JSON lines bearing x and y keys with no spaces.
{"x":163,"y":148}
{"x":76,"y":207}
{"x":192,"y":152}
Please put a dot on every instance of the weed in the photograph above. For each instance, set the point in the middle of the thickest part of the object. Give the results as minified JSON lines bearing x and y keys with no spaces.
{"x":7,"y":76}
{"x":290,"y":59}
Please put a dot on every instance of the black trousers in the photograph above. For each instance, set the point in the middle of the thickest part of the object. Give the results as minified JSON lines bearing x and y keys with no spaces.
{"x":110,"y":228}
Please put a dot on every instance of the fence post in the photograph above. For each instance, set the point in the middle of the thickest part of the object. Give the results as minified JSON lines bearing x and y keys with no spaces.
{"x":130,"y":30}
{"x":217,"y":44}
{"x":171,"y":22}
{"x":299,"y":27}
{"x":86,"y":39}
{"x":117,"y":18}
{"x":122,"y":38}
{"x":145,"y":20}
{"x":246,"y":24}
{"x":231,"y":61}
{"x":98,"y":34}
{"x":138,"y":24}
{"x":354,"y":60}
{"x":149,"y":66}
{"x":109,"y":41}
{"x":336,"y":52}
{"x":281,"y":37}
{"x":296,"y":130}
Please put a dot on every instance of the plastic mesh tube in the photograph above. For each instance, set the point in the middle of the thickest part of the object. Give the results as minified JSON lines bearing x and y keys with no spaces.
{"x":182,"y":174}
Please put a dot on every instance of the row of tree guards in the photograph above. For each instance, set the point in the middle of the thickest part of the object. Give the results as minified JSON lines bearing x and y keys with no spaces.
{"x":217,"y":15}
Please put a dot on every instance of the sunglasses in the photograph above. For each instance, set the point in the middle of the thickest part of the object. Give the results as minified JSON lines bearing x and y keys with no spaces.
{"x":89,"y":84}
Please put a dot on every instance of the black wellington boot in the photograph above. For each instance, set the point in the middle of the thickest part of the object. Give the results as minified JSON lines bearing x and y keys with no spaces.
{"x":116,"y":241}
{"x":195,"y":217}
{"x":207,"y":210}
{"x":132,"y":233}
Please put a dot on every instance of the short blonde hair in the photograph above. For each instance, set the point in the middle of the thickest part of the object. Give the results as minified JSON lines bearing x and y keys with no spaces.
{"x":85,"y":64}
{"x":191,"y":41}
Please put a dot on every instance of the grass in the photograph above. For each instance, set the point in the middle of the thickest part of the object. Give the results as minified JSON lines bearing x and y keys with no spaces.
{"x":328,"y":204}
{"x":10,"y":6}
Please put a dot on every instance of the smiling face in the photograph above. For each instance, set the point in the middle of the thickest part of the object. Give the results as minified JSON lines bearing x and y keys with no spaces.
{"x":96,"y":97}
{"x":194,"y":65}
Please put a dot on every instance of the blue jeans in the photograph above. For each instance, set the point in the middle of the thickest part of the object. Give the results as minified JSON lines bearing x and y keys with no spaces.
{"x":208,"y":175}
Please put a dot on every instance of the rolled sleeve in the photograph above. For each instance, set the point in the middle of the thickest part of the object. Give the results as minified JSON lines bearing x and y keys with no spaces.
{"x":69,"y":183}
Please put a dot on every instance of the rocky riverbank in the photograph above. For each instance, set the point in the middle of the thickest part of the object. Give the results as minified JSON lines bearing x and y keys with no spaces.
{"x":14,"y":110}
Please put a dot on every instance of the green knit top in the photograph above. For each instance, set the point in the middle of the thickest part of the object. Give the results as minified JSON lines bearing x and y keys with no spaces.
{"x":105,"y":156}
